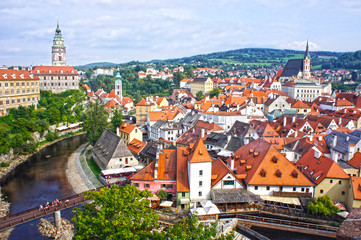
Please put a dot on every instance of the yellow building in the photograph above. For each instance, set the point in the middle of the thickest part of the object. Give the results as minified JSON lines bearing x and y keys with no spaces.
{"x":354,"y":194}
{"x":17,"y":88}
{"x":128,"y":132}
{"x":147,"y":105}
{"x":204,"y":85}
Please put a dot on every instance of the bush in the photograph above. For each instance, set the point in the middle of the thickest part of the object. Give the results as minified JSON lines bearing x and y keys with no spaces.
{"x":50,"y":136}
{"x":322,"y":206}
{"x":4,"y":164}
{"x":161,"y":194}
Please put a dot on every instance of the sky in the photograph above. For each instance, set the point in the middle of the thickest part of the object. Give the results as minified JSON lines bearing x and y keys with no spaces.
{"x":124,"y":30}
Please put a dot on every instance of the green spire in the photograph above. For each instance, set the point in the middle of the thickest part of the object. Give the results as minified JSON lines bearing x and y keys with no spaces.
{"x":58,"y":31}
{"x":118,"y":78}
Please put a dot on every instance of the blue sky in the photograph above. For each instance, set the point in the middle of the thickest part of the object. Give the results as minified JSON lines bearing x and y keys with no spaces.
{"x":124,"y":30}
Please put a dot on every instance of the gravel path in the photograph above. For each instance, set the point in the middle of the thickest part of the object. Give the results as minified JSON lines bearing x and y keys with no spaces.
{"x":80,"y":177}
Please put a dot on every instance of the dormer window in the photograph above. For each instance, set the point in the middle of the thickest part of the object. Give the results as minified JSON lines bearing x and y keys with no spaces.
{"x":263,"y":173}
{"x":274,"y":159}
{"x":294,"y":174}
{"x":13,"y":76}
{"x":278,"y":173}
{"x":61,"y":71}
{"x":38,"y":71}
{"x":5,"y":76}
{"x":49,"y":70}
{"x":21,"y":76}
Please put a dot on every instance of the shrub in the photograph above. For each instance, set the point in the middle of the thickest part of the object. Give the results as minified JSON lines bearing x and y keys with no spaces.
{"x":4,"y":164}
{"x":50,"y":136}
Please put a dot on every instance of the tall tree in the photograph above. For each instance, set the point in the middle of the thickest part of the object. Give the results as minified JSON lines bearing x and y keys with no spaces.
{"x":116,"y":213}
{"x":199,"y":95}
{"x":95,"y":121}
{"x":117,"y":119}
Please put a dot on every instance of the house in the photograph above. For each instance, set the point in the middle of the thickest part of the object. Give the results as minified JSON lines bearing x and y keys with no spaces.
{"x":204,"y":85}
{"x":342,"y":145}
{"x":110,"y":152}
{"x":147,"y":105}
{"x":354,"y":194}
{"x":165,"y":130}
{"x":266,"y":171}
{"x":306,"y":90}
{"x":276,"y":102}
{"x":128,"y":132}
{"x":136,"y":146}
{"x":185,"y":83}
{"x":241,"y":129}
{"x":329,"y":178}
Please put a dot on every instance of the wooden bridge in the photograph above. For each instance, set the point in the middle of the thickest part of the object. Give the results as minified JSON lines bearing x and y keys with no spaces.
{"x":285,"y":225}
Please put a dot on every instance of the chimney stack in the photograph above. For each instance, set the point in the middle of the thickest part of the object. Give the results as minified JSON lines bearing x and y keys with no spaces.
{"x":232,"y":162}
{"x":293,"y":119}
{"x":202,"y":133}
{"x":334,"y":141}
{"x":317,"y":154}
{"x":284,"y":121}
{"x":118,"y":134}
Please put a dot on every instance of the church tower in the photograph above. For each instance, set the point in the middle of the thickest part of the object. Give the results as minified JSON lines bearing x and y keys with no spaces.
{"x":306,"y":74}
{"x":58,"y":49}
{"x":118,"y":86}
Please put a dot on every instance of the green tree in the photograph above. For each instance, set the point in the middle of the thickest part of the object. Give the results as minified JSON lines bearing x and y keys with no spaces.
{"x":116,"y":213}
{"x":95,"y":121}
{"x":199,"y":95}
{"x":161,"y":194}
{"x":215,"y":92}
{"x":322,"y":206}
{"x":117,"y":119}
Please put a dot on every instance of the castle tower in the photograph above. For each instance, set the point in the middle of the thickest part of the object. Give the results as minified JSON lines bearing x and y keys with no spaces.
{"x":58,"y":49}
{"x":118,"y":86}
{"x":306,"y":74}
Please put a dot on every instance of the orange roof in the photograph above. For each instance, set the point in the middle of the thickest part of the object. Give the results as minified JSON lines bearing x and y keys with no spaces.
{"x":112,"y":94}
{"x":112,"y":103}
{"x":252,"y":93}
{"x":265,"y":165}
{"x":343,"y":102}
{"x":127,"y":128}
{"x":232,"y":100}
{"x":209,"y":126}
{"x":199,"y":153}
{"x":87,"y":87}
{"x":126,"y":100}
{"x":300,"y":104}
{"x":320,"y":168}
{"x":54,"y":70}
{"x":146,"y":174}
{"x":187,"y":80}
{"x":136,"y":145}
{"x":167,"y":164}
{"x":11,"y":74}
{"x":182,"y":170}
{"x":219,"y":171}
{"x":356,"y":160}
{"x":279,"y":73}
{"x":356,"y":186}
{"x":167,"y":113}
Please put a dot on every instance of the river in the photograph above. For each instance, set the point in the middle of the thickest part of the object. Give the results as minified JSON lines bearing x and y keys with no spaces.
{"x":41,"y":179}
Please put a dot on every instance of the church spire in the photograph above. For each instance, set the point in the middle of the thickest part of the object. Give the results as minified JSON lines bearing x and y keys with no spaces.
{"x":58,"y":48}
{"x":307,"y":53}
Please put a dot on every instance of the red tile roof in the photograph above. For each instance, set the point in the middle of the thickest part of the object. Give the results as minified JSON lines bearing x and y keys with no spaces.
{"x":54,"y":70}
{"x":127,"y":128}
{"x":11,"y":74}
{"x":356,"y":186}
{"x":199,"y":153}
{"x":182,"y":169}
{"x":136,"y":145}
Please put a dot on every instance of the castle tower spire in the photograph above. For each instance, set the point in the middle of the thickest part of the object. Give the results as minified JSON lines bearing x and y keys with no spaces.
{"x":118,"y":86}
{"x":58,"y":48}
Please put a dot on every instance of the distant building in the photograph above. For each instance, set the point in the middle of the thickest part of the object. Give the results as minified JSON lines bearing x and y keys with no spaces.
{"x":204,"y":85}
{"x":58,"y":49}
{"x":147,"y":105}
{"x":57,"y":78}
{"x":17,"y":88}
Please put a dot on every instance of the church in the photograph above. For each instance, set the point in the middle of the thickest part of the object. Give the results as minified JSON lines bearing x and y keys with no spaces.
{"x":297,"y":68}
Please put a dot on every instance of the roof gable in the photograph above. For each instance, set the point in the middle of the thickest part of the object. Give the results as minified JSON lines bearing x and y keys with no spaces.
{"x":199,"y":153}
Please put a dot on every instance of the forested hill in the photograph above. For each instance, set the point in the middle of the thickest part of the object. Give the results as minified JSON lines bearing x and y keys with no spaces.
{"x":256,"y":56}
{"x":349,"y":60}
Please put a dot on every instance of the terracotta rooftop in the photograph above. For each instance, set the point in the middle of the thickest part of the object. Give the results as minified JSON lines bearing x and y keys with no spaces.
{"x":54,"y":70}
{"x":127,"y":128}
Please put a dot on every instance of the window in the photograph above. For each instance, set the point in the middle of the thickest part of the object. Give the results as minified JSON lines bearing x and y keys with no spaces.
{"x":136,"y":184}
{"x":200,"y":172}
{"x":200,"y":183}
{"x":267,"y":188}
{"x":331,"y":181}
{"x":200,"y":194}
{"x":294,"y":189}
{"x":183,"y":194}
{"x":255,"y":187}
{"x":343,"y":193}
{"x":163,"y":185}
{"x":228,"y":183}
{"x":126,"y":160}
{"x":340,"y":182}
{"x":302,"y":189}
{"x":321,"y":191}
{"x":169,"y":186}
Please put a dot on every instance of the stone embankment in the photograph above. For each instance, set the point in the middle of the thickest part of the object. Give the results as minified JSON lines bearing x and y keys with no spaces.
{"x":65,"y":232}
{"x":4,"y":210}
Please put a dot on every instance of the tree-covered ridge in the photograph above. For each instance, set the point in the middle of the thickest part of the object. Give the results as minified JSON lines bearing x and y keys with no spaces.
{"x":16,"y":129}
{"x":348,"y":60}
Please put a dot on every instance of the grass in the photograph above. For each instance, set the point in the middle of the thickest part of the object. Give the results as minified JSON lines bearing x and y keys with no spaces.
{"x":316,"y":67}
{"x":93,"y":166}
{"x":231,"y":61}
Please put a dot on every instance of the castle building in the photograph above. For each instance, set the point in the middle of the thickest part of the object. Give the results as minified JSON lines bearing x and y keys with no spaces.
{"x":17,"y":88}
{"x":297,"y":68}
{"x":118,"y":86}
{"x":58,"y":49}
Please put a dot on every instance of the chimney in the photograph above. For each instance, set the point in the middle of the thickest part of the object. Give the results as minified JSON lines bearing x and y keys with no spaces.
{"x":296,"y":133}
{"x":335,"y":157}
{"x":311,"y":137}
{"x":334,"y":141}
{"x":293,"y":119}
{"x":232,"y":162}
{"x":202,"y":133}
{"x":284,"y":121}
{"x":245,"y":141}
{"x":118,"y":132}
{"x":319,"y":138}
{"x":339,"y":121}
{"x":317,"y":154}
{"x":228,"y":138}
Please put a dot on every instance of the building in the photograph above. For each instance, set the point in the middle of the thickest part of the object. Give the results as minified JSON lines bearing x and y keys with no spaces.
{"x":342,"y":145}
{"x":118,"y":86}
{"x":204,"y":85}
{"x":17,"y":88}
{"x":58,"y":49}
{"x":297,"y":68}
{"x":128,"y":132}
{"x":110,"y":152}
{"x":149,"y":104}
{"x":306,"y":90}
{"x":57,"y":78}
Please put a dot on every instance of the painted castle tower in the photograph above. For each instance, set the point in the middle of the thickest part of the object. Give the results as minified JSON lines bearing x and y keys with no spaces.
{"x":118,"y":86}
{"x":58,"y":49}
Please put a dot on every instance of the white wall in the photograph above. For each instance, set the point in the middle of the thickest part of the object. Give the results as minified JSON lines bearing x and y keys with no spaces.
{"x":194,"y":178}
{"x":262,"y":190}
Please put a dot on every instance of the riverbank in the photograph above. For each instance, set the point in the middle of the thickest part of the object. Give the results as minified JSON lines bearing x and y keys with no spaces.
{"x":79,"y":175}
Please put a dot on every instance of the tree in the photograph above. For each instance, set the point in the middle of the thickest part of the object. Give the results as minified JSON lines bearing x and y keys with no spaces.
{"x":191,"y":228}
{"x":199,"y":95}
{"x":215,"y":92}
{"x":116,"y":213}
{"x":322,"y":206}
{"x":161,"y":194}
{"x":95,"y":121}
{"x":117,"y":119}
